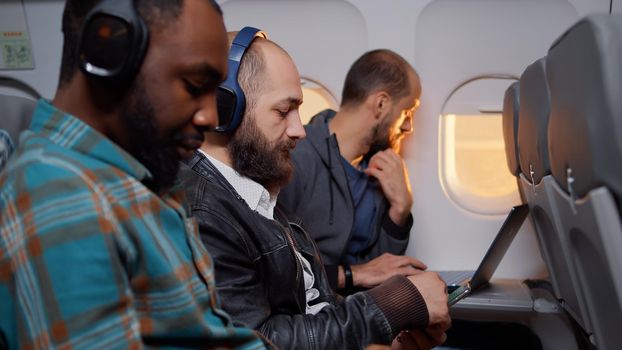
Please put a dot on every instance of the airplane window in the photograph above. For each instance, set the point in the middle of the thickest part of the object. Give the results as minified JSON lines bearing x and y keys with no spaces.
{"x":315,"y":99}
{"x":473,"y":166}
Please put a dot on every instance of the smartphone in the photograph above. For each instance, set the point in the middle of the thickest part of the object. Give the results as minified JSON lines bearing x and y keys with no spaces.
{"x":458,"y":294}
{"x":452,"y":287}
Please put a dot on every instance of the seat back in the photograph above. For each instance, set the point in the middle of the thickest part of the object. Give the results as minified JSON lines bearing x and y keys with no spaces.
{"x":534,"y":119}
{"x":510,"y":126}
{"x":535,"y":183}
{"x":584,"y":72}
{"x":16,"y":115}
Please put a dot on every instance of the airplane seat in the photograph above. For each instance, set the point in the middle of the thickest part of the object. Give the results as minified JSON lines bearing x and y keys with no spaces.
{"x":533,"y":122}
{"x":510,"y":126}
{"x":16,"y":115}
{"x":535,"y":183}
{"x":584,"y":73}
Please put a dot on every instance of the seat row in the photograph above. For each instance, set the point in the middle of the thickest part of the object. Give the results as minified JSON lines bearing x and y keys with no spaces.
{"x":562,"y":126}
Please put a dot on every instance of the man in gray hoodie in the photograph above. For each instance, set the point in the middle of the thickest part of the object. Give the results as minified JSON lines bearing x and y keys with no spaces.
{"x":350,"y":185}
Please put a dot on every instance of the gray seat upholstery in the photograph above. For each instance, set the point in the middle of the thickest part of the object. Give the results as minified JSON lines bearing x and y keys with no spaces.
{"x":535,"y":182}
{"x":534,"y":118}
{"x":510,"y":126}
{"x":16,"y":114}
{"x":584,"y":72}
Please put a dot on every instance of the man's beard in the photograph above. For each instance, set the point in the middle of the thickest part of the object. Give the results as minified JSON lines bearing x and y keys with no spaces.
{"x":155,"y":151}
{"x":254,"y":156}
{"x":382,"y":139}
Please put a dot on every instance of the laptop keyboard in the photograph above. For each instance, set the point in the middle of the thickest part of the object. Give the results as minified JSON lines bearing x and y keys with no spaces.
{"x":455,"y":277}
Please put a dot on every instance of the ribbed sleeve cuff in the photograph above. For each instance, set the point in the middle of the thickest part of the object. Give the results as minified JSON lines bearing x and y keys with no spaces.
{"x":332,"y":272}
{"x":396,"y":231}
{"x":401,"y":303}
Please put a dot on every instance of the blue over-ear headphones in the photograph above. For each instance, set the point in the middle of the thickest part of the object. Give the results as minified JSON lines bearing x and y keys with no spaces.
{"x":230,"y":97}
{"x":113,"y":41}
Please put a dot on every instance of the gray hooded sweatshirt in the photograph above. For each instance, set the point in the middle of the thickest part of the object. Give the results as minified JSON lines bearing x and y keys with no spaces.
{"x":319,"y":195}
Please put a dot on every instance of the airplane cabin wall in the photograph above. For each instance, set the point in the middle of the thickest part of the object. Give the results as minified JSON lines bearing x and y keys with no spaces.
{"x":474,"y":38}
{"x":457,"y":40}
{"x":447,"y":41}
{"x":44,"y":26}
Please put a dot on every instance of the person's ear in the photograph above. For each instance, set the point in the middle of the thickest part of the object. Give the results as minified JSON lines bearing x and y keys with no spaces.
{"x":381,"y":103}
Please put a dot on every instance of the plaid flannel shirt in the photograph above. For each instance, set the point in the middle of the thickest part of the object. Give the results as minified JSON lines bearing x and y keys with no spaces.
{"x":91,"y":258}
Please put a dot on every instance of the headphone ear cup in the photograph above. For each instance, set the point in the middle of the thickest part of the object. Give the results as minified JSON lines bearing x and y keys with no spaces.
{"x":230,"y":96}
{"x":105,"y":46}
{"x":225,"y":102}
{"x":113,"y":41}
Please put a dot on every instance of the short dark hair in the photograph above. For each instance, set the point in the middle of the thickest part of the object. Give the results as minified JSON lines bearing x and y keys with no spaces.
{"x":376,"y":70}
{"x":155,"y":13}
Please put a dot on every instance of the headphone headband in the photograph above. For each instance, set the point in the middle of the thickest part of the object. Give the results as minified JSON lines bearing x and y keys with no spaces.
{"x":231,"y":100}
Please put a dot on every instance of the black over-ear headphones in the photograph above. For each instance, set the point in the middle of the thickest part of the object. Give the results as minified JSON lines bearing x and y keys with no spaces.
{"x":230,"y":98}
{"x":113,"y":41}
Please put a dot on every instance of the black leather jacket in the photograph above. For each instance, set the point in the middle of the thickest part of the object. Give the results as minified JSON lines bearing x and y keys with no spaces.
{"x":260,"y":281}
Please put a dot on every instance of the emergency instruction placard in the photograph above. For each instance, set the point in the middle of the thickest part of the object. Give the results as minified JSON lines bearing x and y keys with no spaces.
{"x":15,"y":45}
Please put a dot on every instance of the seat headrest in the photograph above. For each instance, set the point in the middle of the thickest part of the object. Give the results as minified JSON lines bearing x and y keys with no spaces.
{"x":584,"y":72}
{"x":16,"y":114}
{"x":510,"y":126}
{"x":535,"y":107}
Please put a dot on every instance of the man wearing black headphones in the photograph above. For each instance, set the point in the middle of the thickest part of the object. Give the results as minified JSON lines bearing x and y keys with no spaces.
{"x":96,"y":248}
{"x":268,"y":270}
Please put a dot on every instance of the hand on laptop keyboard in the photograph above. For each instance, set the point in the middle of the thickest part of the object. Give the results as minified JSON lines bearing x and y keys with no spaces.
{"x":380,"y":269}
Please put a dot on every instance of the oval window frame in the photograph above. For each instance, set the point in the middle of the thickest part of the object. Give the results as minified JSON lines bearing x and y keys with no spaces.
{"x":457,"y":192}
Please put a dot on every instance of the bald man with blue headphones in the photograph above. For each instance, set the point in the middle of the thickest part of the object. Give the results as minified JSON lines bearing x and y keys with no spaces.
{"x":268,"y":271}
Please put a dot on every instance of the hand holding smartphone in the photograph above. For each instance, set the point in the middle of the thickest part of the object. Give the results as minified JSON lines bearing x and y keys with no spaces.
{"x":458,"y":294}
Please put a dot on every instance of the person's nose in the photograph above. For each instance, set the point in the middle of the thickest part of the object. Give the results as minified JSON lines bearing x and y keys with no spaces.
{"x":407,"y":125}
{"x":206,"y":116}
{"x":295,"y":130}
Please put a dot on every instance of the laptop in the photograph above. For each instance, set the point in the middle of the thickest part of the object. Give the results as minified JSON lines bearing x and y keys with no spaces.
{"x":462,"y":283}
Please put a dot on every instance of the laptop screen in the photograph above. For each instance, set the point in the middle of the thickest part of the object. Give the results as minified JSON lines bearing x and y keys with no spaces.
{"x":499,"y":246}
